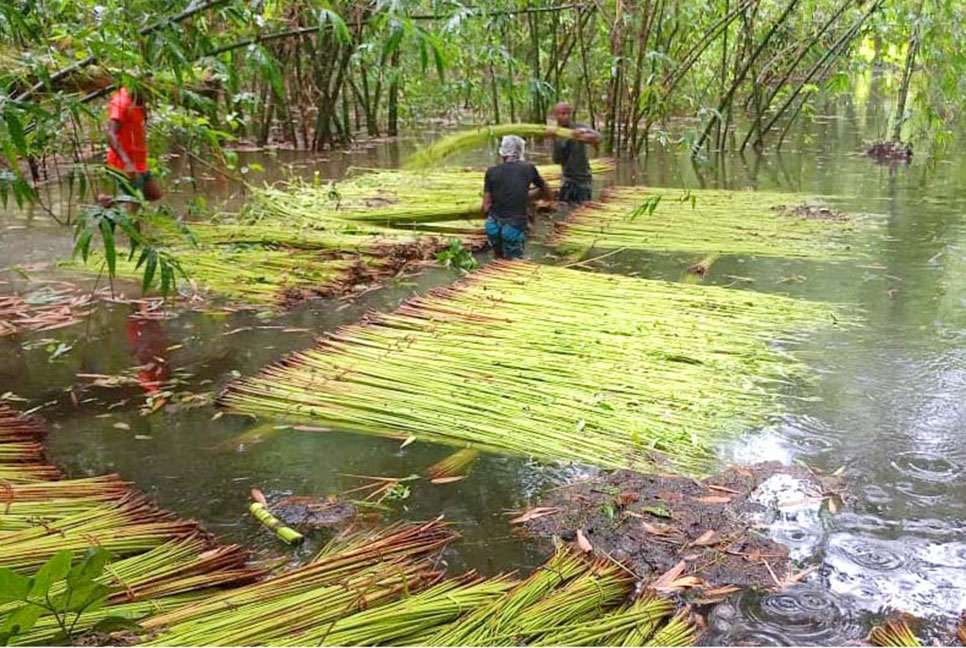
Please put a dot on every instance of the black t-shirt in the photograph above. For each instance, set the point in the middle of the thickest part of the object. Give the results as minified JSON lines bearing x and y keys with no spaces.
{"x":509,"y":186}
{"x":571,"y":155}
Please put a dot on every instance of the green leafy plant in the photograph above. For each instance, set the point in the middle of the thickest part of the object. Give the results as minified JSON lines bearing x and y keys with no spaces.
{"x":61,"y":588}
{"x":457,"y":256}
{"x":157,"y":263}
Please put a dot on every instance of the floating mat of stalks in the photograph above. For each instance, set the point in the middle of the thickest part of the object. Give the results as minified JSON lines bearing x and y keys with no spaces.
{"x":160,"y":562}
{"x":757,"y":223}
{"x":440,"y":201}
{"x":466,"y":140}
{"x":555,"y":363}
{"x":302,"y":239}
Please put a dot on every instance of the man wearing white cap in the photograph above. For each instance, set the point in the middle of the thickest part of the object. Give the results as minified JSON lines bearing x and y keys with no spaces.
{"x":506,"y":192}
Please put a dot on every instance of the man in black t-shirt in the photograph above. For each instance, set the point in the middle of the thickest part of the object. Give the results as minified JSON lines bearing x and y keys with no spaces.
{"x":506,"y":192}
{"x":571,"y":155}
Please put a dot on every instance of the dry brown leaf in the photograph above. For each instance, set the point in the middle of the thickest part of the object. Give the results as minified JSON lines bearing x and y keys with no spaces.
{"x":583,"y":542}
{"x":447,"y":480}
{"x":709,"y":537}
{"x":664,"y":580}
{"x":628,"y":497}
{"x":258,"y":496}
{"x":722,"y":591}
{"x":798,"y":576}
{"x":654,"y":529}
{"x":724,"y":489}
{"x":685,"y":582}
{"x":535,"y":513}
{"x":713,"y":499}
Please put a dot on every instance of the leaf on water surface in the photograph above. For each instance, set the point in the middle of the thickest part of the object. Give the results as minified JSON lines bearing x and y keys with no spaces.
{"x":535,"y":513}
{"x":798,"y":576}
{"x":583,"y":542}
{"x":411,"y":438}
{"x":447,"y":480}
{"x":122,"y":426}
{"x":143,"y":437}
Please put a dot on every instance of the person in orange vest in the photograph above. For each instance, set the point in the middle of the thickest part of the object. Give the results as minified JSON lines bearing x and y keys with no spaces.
{"x":127,"y":149}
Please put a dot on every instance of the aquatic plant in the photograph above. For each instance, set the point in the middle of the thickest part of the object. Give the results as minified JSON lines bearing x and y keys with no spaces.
{"x":555,"y":363}
{"x":757,"y":223}
{"x":473,"y":138}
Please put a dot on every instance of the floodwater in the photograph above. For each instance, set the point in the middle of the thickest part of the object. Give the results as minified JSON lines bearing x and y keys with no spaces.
{"x":888,"y":401}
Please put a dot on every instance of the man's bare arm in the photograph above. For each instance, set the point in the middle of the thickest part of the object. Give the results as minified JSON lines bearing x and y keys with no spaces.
{"x":487,"y":202}
{"x":113,"y":130}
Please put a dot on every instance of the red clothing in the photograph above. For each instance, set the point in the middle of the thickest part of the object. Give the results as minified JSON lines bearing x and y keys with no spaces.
{"x":131,"y":132}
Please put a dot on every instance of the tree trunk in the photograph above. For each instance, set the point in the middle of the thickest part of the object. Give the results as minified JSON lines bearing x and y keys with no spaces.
{"x":900,"y":115}
{"x":393,"y":125}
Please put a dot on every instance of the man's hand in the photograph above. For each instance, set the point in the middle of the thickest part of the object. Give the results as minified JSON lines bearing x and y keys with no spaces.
{"x":130,"y":170}
{"x":551,"y":131}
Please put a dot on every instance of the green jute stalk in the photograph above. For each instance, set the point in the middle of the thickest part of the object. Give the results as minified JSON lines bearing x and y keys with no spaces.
{"x":259,"y":510}
{"x":619,"y":372}
{"x":435,"y":153}
{"x":676,"y":632}
{"x":455,"y":464}
{"x":707,"y":221}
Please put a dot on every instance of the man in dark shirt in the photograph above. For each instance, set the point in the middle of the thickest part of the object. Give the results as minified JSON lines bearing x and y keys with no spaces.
{"x":571,"y":155}
{"x":506,"y":192}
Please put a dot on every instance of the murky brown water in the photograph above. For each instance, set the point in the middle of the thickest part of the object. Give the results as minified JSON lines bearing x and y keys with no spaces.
{"x":889,"y":401}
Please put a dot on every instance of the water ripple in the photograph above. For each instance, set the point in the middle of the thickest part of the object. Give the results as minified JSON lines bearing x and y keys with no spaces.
{"x":926,"y":466}
{"x":799,"y":615}
{"x":867,"y":552}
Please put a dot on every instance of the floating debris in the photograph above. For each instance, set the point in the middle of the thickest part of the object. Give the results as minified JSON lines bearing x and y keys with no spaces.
{"x":890,"y":152}
{"x":44,"y":309}
{"x":603,"y":369}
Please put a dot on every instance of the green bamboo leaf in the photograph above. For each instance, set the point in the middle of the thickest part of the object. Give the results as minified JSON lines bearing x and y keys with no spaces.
{"x":149,"y":270}
{"x":110,"y":252}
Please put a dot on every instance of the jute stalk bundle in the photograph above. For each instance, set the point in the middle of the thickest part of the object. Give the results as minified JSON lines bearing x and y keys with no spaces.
{"x":755,"y":223}
{"x":555,"y":363}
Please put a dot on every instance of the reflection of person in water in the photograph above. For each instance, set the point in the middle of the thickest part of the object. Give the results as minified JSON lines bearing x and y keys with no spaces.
{"x":146,"y":339}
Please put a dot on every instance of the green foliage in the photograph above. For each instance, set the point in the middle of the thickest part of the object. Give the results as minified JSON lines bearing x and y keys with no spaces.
{"x":457,"y":256}
{"x":157,"y":264}
{"x":61,"y":588}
